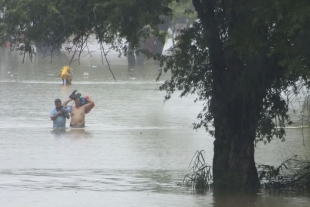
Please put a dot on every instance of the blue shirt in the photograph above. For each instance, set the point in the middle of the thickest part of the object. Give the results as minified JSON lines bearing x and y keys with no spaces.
{"x":60,"y":120}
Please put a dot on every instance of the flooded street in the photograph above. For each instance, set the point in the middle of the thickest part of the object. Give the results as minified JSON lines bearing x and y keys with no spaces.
{"x":134,"y":151}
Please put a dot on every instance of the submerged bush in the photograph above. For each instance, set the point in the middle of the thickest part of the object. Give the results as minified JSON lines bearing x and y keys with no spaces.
{"x":292,"y":173}
{"x":200,"y":176}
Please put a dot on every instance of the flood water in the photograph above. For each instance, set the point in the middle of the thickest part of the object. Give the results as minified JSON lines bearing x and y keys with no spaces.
{"x":134,"y":151}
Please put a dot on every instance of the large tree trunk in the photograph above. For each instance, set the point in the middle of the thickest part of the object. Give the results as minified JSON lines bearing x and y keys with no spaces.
{"x":236,"y":112}
{"x":234,"y":167}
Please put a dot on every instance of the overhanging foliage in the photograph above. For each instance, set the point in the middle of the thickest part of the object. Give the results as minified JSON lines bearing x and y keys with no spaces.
{"x":51,"y":23}
{"x":268,"y":38}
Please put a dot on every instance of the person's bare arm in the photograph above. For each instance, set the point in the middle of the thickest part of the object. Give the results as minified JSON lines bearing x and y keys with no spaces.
{"x":89,"y":103}
{"x":66,"y":102}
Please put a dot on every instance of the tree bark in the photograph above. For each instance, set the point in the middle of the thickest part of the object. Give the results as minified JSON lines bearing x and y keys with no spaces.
{"x":234,"y":167}
{"x":236,"y":113}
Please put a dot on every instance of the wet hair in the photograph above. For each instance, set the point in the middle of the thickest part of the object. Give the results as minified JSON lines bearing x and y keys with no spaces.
{"x":57,"y":100}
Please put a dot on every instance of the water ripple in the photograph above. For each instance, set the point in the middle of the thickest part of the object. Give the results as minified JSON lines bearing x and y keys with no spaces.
{"x":90,"y":180}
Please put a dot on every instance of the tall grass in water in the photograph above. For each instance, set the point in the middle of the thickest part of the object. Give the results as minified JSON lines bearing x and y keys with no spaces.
{"x":200,"y":176}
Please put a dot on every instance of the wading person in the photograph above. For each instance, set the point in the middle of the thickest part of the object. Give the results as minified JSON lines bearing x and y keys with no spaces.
{"x":59,"y":115}
{"x":79,"y":110}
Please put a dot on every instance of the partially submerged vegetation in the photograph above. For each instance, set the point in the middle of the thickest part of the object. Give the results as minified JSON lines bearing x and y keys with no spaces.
{"x":200,"y":176}
{"x":292,"y":174}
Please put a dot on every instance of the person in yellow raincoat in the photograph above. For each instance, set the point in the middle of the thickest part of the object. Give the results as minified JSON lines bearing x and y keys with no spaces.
{"x":66,"y":75}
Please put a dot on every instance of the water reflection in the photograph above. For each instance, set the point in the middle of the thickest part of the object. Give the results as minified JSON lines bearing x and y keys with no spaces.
{"x":75,"y":133}
{"x":65,"y":89}
{"x":78,"y":133}
{"x":223,"y":200}
{"x":274,"y":198}
{"x":58,"y":132}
